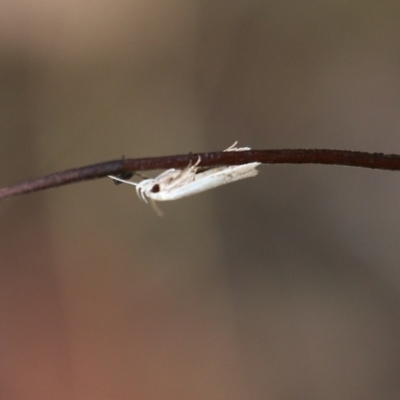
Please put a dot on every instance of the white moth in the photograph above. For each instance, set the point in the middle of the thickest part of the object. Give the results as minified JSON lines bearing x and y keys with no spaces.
{"x":175,"y":184}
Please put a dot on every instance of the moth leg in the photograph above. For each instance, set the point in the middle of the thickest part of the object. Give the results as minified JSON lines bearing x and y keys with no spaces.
{"x":234,"y":148}
{"x":194,"y":167}
{"x":175,"y":178}
{"x":155,"y":207}
{"x":140,"y":191}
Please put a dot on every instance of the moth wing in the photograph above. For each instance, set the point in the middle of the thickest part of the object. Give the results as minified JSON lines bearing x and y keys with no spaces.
{"x":207,"y":180}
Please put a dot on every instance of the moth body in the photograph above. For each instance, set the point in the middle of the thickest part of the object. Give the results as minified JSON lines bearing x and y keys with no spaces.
{"x":175,"y":184}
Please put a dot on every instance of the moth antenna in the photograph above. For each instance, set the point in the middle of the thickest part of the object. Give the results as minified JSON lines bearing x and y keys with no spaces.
{"x":124,"y":175}
{"x":116,"y":178}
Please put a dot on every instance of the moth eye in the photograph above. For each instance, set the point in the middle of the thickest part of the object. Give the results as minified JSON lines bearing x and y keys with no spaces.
{"x":155,"y":188}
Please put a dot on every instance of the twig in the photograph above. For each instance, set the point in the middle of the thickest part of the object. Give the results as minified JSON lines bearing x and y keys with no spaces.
{"x":302,"y":156}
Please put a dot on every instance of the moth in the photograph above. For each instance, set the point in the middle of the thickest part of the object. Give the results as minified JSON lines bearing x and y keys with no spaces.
{"x":175,"y":184}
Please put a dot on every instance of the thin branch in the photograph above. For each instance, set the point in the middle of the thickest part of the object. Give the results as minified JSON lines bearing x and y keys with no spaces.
{"x":302,"y":156}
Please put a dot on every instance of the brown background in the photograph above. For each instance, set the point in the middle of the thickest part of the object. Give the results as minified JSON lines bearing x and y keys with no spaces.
{"x":286,"y":286}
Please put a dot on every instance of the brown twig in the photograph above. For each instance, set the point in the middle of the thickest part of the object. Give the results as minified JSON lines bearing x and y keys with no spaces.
{"x":302,"y":156}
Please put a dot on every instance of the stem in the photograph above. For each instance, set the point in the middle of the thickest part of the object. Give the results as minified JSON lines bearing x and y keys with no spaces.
{"x":303,"y":156}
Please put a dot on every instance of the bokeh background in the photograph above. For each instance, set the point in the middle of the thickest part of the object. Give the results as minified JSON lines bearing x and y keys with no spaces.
{"x":286,"y":286}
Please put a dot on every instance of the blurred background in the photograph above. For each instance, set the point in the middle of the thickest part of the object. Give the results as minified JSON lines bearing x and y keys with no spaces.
{"x":285,"y":286}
